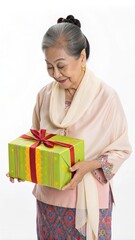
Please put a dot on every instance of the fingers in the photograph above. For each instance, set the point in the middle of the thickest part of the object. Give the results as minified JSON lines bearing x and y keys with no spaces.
{"x":75,"y":167}
{"x":20,"y":180}
{"x":66,"y":187}
{"x":70,"y":186}
{"x":73,"y":183}
{"x":77,"y":178}
{"x":12,"y":180}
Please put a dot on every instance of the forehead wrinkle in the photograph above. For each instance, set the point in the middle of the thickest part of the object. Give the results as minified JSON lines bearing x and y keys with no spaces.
{"x":58,"y":59}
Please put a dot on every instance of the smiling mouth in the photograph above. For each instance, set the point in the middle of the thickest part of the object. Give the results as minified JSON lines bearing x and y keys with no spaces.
{"x":62,"y":81}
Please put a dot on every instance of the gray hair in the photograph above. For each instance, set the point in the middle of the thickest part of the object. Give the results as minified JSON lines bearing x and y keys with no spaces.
{"x":67,"y":36}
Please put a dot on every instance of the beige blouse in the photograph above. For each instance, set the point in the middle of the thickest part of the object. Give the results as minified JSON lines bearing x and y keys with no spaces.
{"x":102,"y":124}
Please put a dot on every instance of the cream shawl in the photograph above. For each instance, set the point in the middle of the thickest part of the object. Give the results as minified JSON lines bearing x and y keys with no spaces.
{"x":116,"y":147}
{"x":87,"y":209}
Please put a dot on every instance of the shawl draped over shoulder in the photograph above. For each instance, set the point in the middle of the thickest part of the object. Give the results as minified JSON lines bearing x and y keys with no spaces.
{"x":95,"y":115}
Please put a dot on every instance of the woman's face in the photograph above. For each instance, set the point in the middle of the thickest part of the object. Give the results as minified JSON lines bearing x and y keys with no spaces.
{"x":65,"y":69}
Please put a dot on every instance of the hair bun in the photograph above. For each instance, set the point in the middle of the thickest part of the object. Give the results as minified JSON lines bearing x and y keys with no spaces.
{"x":70,"y":19}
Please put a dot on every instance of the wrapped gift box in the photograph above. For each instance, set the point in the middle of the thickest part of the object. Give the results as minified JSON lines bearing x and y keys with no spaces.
{"x":47,"y":165}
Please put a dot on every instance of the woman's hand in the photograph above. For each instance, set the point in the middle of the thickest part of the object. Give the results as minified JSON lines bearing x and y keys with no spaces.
{"x":12,"y":180}
{"x":80,"y":169}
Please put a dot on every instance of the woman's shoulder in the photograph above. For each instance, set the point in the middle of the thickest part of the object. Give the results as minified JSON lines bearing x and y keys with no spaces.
{"x":44,"y":93}
{"x":105,"y":88}
{"x":110,"y":95}
{"x":106,"y":91}
{"x":46,"y":90}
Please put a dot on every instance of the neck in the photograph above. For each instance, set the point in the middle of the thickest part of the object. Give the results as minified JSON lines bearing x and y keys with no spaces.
{"x":69,"y":94}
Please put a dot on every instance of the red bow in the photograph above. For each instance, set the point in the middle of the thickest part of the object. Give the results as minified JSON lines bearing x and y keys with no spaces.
{"x":40,"y":138}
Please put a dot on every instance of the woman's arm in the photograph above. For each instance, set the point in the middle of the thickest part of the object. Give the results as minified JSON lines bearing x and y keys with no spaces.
{"x":112,"y":156}
{"x":80,"y":169}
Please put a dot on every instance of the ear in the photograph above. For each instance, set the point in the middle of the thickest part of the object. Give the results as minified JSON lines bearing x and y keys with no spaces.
{"x":83,"y":57}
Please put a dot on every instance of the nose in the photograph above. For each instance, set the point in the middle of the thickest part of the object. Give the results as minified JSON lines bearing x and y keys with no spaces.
{"x":56,"y":73}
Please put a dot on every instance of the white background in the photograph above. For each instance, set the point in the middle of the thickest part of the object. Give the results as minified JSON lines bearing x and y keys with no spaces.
{"x":110,"y":28}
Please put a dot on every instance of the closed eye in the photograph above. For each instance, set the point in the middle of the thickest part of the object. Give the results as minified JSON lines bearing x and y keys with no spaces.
{"x":61,"y":67}
{"x":49,"y":68}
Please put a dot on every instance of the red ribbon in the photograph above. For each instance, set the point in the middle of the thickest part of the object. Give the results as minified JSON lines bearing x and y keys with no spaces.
{"x":40,"y":137}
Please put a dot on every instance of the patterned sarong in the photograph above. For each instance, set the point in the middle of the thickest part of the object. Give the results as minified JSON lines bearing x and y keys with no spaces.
{"x":58,"y":223}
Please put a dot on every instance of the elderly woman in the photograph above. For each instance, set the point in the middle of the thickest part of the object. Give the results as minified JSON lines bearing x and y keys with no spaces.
{"x":80,"y":105}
